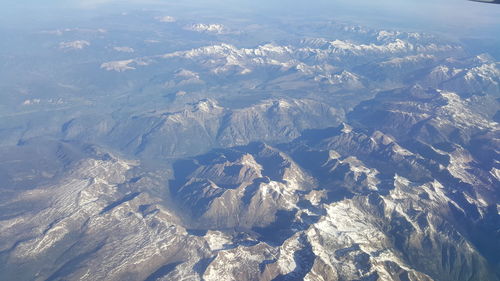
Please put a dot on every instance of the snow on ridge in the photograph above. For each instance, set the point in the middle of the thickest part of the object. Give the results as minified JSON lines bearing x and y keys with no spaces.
{"x":119,"y":66}
{"x":207,"y":105}
{"x":124,"y":65}
{"x":74,"y":45}
{"x":37,"y":101}
{"x":62,"y":31}
{"x":166,"y":19}
{"x":124,"y":49}
{"x":224,"y":57}
{"x":208,"y":28}
{"x":487,"y":71}
{"x":395,"y":46}
{"x":409,"y":59}
{"x":384,"y":35}
{"x":457,"y":111}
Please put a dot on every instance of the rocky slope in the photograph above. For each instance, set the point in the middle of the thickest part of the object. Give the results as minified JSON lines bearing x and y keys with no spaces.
{"x":203,"y":125}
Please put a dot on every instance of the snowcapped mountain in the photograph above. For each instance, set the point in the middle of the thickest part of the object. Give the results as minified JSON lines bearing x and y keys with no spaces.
{"x":335,"y":203}
{"x":480,"y":78}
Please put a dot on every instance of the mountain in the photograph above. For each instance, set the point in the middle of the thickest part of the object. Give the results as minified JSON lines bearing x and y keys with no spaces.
{"x":168,"y":134}
{"x":227,"y":148}
{"x":336,"y":203}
